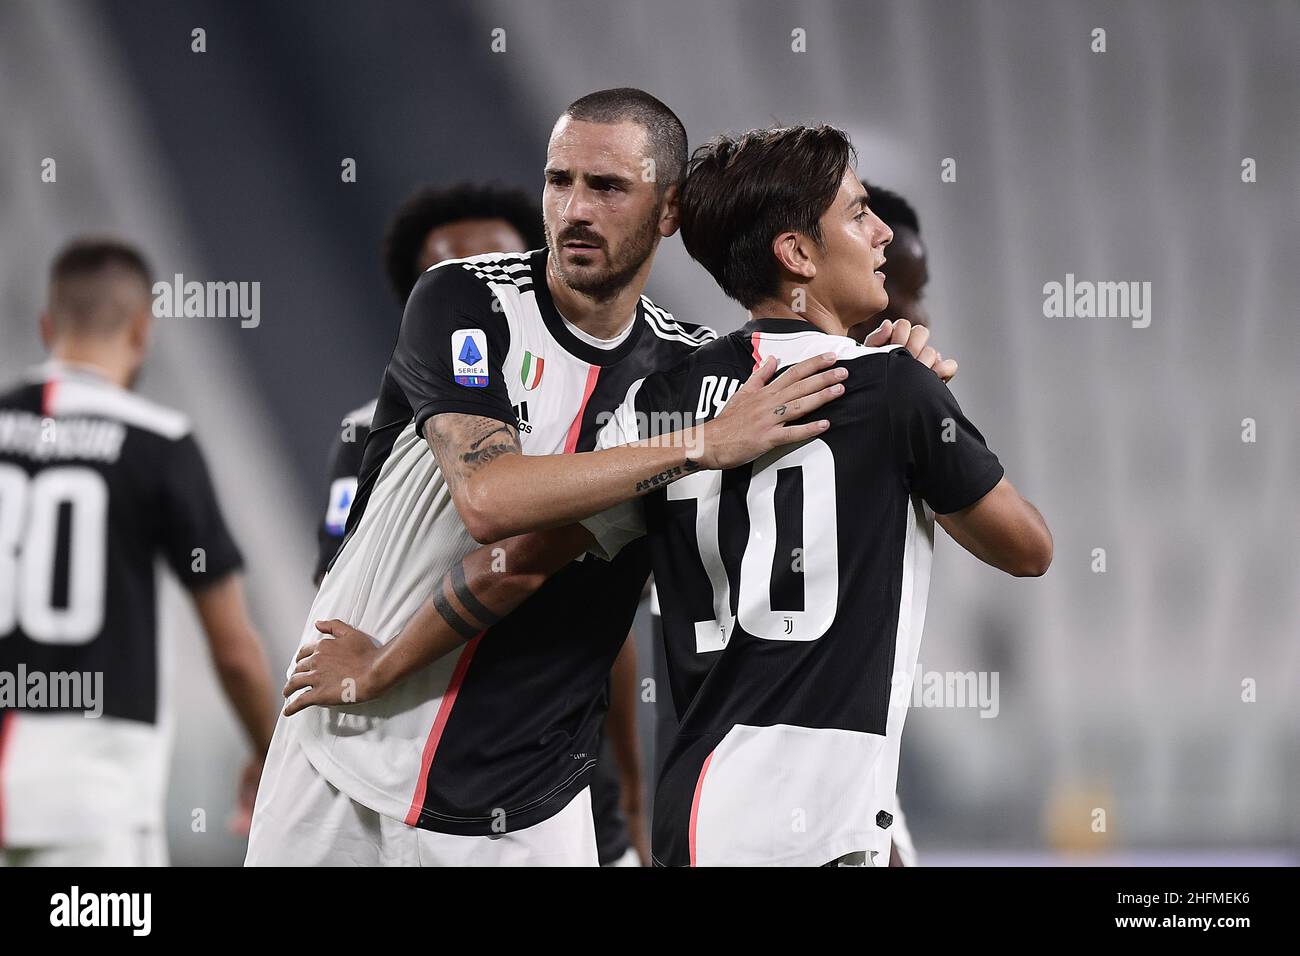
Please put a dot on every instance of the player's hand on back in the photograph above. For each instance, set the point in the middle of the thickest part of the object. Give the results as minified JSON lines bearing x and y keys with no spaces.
{"x":917,"y":340}
{"x":754,"y":420}
{"x":337,"y":669}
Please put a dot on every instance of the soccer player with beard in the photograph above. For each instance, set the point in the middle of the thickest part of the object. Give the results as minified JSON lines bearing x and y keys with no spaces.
{"x":485,"y":758}
{"x":430,"y":226}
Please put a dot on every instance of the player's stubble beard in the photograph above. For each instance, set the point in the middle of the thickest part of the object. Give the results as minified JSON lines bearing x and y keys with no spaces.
{"x":624,"y":261}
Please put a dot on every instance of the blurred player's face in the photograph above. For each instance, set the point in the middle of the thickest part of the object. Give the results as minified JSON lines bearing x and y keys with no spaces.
{"x":905,"y":278}
{"x":602,"y":211}
{"x":848,"y":278}
{"x":469,"y":237}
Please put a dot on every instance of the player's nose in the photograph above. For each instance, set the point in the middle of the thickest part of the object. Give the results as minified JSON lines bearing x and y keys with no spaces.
{"x":578,"y":206}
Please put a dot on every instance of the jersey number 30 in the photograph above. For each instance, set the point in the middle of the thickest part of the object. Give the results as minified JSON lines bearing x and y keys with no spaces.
{"x":29,"y":552}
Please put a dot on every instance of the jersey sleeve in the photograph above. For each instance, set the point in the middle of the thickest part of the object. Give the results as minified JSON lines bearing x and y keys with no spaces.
{"x":195,"y":540}
{"x":344,"y":466}
{"x":617,"y":527}
{"x":943,"y":456}
{"x":451,"y":347}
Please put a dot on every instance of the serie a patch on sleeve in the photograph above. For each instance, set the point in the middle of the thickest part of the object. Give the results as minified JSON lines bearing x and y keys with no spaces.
{"x":469,"y":358}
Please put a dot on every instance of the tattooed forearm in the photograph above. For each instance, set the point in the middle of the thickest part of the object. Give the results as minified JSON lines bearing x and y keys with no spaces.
{"x":667,"y":477}
{"x":453,"y":617}
{"x":460,"y":587}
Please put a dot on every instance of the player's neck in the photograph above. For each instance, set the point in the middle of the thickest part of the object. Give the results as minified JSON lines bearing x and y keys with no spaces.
{"x":108,"y":359}
{"x":603,"y":318}
{"x":813,"y":312}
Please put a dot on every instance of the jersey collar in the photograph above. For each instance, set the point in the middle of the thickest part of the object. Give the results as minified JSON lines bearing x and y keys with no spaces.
{"x":579,"y":349}
{"x":786,"y":326}
{"x":58,"y":368}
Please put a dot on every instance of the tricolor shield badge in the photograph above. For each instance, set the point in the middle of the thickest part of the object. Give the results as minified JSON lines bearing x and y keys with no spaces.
{"x":530,"y":373}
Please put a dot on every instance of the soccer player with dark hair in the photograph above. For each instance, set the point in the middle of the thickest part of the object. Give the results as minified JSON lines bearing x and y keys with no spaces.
{"x":429,"y":227}
{"x":96,"y":484}
{"x":816,"y":559}
{"x":504,"y":369}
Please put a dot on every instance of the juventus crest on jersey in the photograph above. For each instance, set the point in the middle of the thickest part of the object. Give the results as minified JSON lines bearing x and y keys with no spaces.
{"x":503,"y":735}
{"x":793,"y":594}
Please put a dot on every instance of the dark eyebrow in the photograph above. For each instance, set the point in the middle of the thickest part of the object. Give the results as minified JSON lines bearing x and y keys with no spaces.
{"x":858,"y":203}
{"x":611,"y":179}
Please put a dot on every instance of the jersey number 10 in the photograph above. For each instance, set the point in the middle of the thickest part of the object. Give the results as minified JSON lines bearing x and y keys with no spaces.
{"x":819,"y":558}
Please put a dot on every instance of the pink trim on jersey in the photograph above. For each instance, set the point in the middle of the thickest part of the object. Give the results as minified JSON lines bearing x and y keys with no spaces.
{"x":440,"y":724}
{"x":6,"y":728}
{"x":754,"y":340}
{"x":695,"y":802}
{"x":571,"y":443}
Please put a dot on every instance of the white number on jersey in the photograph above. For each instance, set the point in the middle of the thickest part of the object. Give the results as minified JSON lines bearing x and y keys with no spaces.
{"x":29,"y":527}
{"x":819,"y":558}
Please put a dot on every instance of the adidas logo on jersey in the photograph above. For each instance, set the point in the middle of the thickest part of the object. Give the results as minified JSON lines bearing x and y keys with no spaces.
{"x":521,"y":415}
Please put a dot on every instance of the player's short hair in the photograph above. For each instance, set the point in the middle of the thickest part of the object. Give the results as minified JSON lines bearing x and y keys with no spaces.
{"x":893,"y":209}
{"x":740,"y":193}
{"x":93,"y":308}
{"x":432,"y":207}
{"x":665,"y":133}
{"x":87,"y":255}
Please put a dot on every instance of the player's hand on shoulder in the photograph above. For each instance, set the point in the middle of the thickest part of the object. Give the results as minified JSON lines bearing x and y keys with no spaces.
{"x":917,"y":340}
{"x":755,"y":418}
{"x":337,"y":669}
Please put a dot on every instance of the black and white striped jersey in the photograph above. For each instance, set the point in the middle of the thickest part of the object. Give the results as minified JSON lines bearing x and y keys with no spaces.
{"x":96,"y":484}
{"x":344,"y":465}
{"x":793,"y":595}
{"x":502,"y":735}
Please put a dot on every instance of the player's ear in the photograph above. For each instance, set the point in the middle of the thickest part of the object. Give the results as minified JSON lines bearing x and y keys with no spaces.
{"x":139,"y":330}
{"x":668,"y":213}
{"x":793,"y":254}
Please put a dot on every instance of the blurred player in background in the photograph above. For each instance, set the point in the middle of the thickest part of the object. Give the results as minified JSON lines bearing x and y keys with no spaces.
{"x":906,"y":270}
{"x":95,"y":484}
{"x":431,"y":226}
